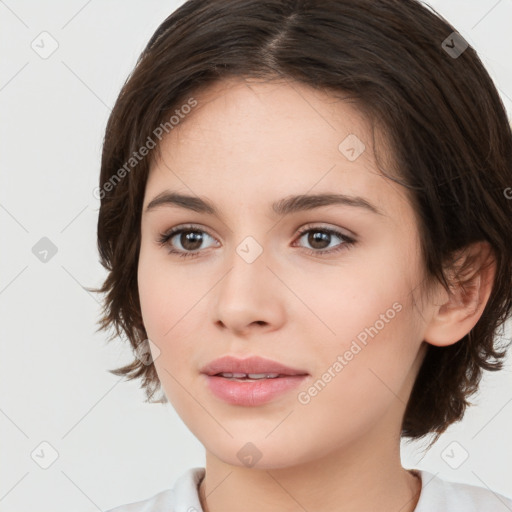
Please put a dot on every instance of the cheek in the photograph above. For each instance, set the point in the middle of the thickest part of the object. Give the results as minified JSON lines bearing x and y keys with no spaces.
{"x":368,"y":298}
{"x":165,"y":294}
{"x":154,"y":301}
{"x":376,"y":335}
{"x":351,"y":394}
{"x":164,"y":305}
{"x":171,"y":305}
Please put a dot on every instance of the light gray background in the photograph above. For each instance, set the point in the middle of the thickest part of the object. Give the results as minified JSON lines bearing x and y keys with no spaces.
{"x":112,"y":447}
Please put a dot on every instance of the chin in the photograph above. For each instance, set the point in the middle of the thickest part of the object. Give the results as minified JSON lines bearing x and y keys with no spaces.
{"x":259,"y":454}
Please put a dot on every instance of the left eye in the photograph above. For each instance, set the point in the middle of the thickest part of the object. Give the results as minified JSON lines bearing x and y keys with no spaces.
{"x":320,"y":238}
{"x":191,"y":238}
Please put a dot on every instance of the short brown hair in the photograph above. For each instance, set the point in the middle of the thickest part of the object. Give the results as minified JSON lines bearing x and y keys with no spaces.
{"x":440,"y":112}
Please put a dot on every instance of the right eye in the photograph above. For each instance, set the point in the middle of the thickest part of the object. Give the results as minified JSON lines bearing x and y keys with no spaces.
{"x":190,"y":238}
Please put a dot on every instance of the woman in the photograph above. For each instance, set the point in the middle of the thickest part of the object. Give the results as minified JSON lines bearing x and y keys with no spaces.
{"x":305,"y":222}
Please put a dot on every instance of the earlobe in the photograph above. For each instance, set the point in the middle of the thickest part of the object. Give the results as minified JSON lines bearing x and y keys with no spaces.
{"x":470,"y":289}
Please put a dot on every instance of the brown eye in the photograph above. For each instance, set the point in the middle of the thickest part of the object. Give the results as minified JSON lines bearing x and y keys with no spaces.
{"x":190,"y":240}
{"x":184,"y":241}
{"x":320,"y":239}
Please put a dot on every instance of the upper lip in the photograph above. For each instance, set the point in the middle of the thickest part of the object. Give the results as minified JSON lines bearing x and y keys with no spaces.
{"x":254,"y":364}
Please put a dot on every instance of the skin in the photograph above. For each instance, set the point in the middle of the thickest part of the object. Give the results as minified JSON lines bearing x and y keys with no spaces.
{"x":247,"y":144}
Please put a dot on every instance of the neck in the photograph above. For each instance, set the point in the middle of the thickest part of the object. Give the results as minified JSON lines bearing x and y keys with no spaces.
{"x":355,"y":477}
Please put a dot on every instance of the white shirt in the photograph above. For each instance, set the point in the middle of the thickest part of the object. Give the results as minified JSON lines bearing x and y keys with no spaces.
{"x":437,"y":495}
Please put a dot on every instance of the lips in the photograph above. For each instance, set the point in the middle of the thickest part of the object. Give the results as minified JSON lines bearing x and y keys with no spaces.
{"x":253,"y":368}
{"x":251,"y":382}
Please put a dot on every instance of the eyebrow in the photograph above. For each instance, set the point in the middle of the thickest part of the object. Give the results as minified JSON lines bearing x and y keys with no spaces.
{"x":285,"y":206}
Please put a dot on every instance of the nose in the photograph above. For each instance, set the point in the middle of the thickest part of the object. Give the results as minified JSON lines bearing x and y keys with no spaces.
{"x":249,"y":297}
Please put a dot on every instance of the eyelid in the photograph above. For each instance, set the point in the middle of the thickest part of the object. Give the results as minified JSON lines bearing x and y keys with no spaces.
{"x":323,"y":226}
{"x":348,"y":240}
{"x":320,"y":226}
{"x":170,"y":233}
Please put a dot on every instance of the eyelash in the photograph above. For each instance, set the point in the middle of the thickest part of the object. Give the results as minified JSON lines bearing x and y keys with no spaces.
{"x":164,"y":238}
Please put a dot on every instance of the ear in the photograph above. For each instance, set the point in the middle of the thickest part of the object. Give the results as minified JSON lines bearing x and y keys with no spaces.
{"x":459,"y":310}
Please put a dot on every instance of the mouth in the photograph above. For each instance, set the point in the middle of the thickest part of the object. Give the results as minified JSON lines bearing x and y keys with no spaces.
{"x":252,"y":368}
{"x":249,"y":392}
{"x":250,"y":382}
{"x":251,"y":377}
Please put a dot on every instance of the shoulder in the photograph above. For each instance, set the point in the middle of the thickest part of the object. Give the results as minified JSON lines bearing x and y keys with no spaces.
{"x":162,"y":501}
{"x":439,"y":494}
{"x":182,"y":496}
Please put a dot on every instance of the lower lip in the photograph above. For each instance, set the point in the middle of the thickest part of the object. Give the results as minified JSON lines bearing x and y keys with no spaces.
{"x":252,"y":393}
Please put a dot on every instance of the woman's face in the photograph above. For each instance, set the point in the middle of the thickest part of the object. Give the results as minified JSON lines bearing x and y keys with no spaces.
{"x":328,"y":288}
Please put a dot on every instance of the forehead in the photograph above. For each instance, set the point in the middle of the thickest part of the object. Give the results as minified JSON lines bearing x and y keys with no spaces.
{"x":249,"y":138}
{"x":277,"y":114}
